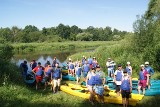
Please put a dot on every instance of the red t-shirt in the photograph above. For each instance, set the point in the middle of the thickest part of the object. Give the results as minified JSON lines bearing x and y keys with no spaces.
{"x":37,"y":68}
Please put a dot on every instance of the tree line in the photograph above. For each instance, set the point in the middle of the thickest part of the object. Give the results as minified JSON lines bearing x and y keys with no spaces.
{"x":59,"y":33}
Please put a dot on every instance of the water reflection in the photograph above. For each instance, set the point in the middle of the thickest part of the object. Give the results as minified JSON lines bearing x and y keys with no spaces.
{"x":41,"y":57}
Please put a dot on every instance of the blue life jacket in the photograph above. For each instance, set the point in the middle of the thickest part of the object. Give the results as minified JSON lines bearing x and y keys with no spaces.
{"x":95,"y":80}
{"x":57,"y":73}
{"x":125,"y":85}
{"x":86,"y":68}
{"x":48,"y":73}
{"x":34,"y":65}
{"x":71,"y":66}
{"x":94,"y":64}
{"x":119,"y":76}
{"x":79,"y":71}
{"x":128,"y":71}
{"x":83,"y":61}
{"x":90,"y":61}
{"x":149,"y":70}
{"x":39,"y":72}
{"x":141,"y":76}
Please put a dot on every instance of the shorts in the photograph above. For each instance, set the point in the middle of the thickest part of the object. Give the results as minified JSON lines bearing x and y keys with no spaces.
{"x":125,"y":93}
{"x":56,"y":82}
{"x":85,"y":74}
{"x":39,"y":78}
{"x":118,"y":88}
{"x":142,"y":83}
{"x":99,"y":89}
{"x":90,"y":87}
{"x":47,"y":79}
{"x":78,"y":76}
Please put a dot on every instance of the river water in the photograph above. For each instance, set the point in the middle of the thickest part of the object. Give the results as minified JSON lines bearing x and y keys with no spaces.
{"x":44,"y":56}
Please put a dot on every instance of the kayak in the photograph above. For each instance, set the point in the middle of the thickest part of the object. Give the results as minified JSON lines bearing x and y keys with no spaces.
{"x":29,"y":78}
{"x":84,"y":93}
{"x":151,"y":92}
{"x":68,"y":77}
{"x":107,"y":91}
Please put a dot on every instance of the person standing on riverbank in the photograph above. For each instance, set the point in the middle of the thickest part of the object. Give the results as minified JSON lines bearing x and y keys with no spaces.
{"x":24,"y":68}
{"x":118,"y":78}
{"x":143,"y":79}
{"x":39,"y":72}
{"x":33,"y":64}
{"x":56,"y":77}
{"x":150,"y":73}
{"x":129,"y":69}
{"x":109,"y":67}
{"x":86,"y":69}
{"x":47,"y":74}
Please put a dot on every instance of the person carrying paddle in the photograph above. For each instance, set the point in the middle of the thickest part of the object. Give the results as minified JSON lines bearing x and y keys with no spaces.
{"x":118,"y":78}
{"x":47,"y":74}
{"x":143,"y":79}
{"x":38,"y":71}
{"x":126,"y":88}
{"x":150,"y":73}
{"x":56,"y":77}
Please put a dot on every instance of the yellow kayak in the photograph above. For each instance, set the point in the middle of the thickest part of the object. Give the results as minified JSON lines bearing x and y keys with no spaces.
{"x":83,"y":92}
{"x":107,"y":91}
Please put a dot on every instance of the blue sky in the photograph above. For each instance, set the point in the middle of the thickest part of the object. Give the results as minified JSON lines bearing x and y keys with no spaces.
{"x":119,"y":14}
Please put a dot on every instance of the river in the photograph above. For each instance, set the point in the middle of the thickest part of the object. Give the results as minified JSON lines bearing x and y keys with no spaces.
{"x":44,"y":56}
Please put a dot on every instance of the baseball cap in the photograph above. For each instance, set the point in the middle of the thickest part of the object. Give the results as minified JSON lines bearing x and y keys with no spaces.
{"x":119,"y":65}
{"x":142,"y":65}
{"x":146,"y":63}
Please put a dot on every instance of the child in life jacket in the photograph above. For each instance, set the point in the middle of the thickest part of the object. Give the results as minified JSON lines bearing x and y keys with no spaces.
{"x":126,"y":88}
{"x":143,"y":79}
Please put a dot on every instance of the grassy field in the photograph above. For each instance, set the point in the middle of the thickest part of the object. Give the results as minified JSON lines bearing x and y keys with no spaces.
{"x":16,"y":93}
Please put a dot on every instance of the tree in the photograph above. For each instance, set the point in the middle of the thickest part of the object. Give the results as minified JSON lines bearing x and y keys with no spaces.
{"x":30,"y":28}
{"x":84,"y":37}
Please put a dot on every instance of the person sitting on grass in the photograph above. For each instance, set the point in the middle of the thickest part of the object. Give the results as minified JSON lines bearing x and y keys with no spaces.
{"x":126,"y":88}
{"x":38,"y":71}
{"x":143,"y":79}
{"x":56,"y":77}
{"x":118,"y":78}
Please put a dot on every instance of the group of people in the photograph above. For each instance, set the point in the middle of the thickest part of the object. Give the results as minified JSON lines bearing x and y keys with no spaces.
{"x":123,"y":79}
{"x":94,"y":77}
{"x":49,"y":73}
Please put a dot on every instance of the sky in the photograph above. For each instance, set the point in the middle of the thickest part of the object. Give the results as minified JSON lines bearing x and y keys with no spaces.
{"x":119,"y":14}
